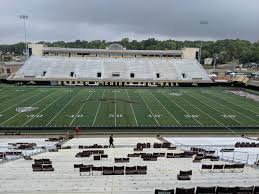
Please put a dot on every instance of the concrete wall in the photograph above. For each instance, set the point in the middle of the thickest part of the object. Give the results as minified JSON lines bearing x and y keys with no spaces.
{"x":7,"y":70}
{"x":36,"y":49}
{"x":189,"y":53}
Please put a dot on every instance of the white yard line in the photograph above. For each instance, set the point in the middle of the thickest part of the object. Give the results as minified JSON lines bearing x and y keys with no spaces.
{"x":18,"y":103}
{"x":7,"y":94}
{"x":218,"y":110}
{"x":149,"y":109}
{"x":181,"y":108}
{"x":115,"y":113}
{"x":42,"y":110}
{"x":80,"y":110}
{"x":209,"y":115}
{"x":165,"y":109}
{"x":240,"y":107}
{"x":62,"y":108}
{"x":98,"y":109}
{"x":29,"y":105}
{"x":14,"y":98}
{"x":132,"y":108}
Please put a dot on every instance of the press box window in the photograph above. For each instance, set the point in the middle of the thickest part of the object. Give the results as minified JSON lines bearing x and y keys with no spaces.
{"x":99,"y":74}
{"x":115,"y":74}
{"x":197,"y":55}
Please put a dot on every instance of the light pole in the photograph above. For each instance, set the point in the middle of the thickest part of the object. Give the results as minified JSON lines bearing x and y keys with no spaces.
{"x":216,"y":56}
{"x":24,"y":18}
{"x":203,"y":22}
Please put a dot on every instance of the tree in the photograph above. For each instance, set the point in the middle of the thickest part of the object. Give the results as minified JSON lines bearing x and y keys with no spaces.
{"x":227,"y":50}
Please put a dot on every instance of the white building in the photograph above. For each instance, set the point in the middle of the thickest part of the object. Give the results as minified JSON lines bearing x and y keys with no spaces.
{"x":208,"y":61}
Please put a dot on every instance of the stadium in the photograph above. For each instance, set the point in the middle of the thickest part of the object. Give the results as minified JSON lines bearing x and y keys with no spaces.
{"x":60,"y":110}
{"x":115,"y":88}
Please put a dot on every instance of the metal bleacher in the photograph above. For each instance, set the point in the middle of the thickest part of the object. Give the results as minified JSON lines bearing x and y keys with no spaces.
{"x":56,"y":68}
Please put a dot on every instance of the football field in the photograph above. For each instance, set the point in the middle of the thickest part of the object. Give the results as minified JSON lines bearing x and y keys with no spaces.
{"x":124,"y":107}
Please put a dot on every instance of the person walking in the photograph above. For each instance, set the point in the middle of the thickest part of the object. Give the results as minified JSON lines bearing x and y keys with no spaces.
{"x":111,"y":141}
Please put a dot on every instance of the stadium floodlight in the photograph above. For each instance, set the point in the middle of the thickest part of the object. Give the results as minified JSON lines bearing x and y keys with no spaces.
{"x":24,"y":18}
{"x":202,"y":22}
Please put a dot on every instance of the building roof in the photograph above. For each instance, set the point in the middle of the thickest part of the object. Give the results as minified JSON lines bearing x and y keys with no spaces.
{"x":80,"y":50}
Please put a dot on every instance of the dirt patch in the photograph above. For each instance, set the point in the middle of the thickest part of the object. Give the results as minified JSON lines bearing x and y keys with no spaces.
{"x":245,"y":94}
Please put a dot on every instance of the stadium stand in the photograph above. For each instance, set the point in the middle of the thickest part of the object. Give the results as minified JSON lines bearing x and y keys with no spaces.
{"x":104,"y":67}
{"x":135,"y":176}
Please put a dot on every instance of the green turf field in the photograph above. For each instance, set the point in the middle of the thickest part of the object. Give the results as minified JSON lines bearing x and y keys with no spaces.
{"x":120,"y":107}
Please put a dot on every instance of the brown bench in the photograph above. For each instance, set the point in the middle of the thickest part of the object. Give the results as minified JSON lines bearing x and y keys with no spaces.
{"x":184,"y":175}
{"x":121,"y":160}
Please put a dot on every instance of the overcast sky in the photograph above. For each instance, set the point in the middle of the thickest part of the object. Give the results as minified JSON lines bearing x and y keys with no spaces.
{"x":69,"y":20}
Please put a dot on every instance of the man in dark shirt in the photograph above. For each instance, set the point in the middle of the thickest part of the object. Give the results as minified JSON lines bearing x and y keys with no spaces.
{"x":111,"y":141}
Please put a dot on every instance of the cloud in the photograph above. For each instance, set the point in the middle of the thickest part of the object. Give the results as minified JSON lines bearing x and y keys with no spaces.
{"x":137,"y":19}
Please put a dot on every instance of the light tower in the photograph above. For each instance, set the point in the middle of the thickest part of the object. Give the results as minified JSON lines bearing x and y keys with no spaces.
{"x":203,"y":22}
{"x":24,"y":18}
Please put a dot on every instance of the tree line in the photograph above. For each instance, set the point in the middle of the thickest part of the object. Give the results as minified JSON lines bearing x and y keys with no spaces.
{"x":226,"y":51}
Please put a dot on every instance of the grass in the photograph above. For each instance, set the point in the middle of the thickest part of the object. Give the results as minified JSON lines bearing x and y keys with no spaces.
{"x":125,"y":107}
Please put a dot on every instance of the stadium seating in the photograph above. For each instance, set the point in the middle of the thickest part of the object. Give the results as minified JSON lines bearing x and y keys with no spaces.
{"x":110,"y":170}
{"x":170,"y":191}
{"x":222,"y":168}
{"x":211,"y":190}
{"x":145,"y":69}
{"x":184,"y":175}
{"x":246,"y":145}
{"x":41,"y":165}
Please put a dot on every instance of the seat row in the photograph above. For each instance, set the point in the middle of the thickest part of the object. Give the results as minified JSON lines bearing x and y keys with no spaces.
{"x":199,"y":157}
{"x":88,"y":153}
{"x":185,"y":154}
{"x":246,"y":144}
{"x":42,"y":165}
{"x":184,"y":175}
{"x":121,"y":160}
{"x":55,"y":139}
{"x":196,"y":150}
{"x":110,"y":170}
{"x":10,"y":153}
{"x":92,"y":146}
{"x":222,"y":168}
{"x":155,"y":145}
{"x":211,"y":190}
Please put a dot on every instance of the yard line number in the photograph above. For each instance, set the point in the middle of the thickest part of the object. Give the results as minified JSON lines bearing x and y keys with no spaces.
{"x":34,"y":116}
{"x":117,"y":115}
{"x":154,"y":116}
{"x":75,"y":116}
{"x":228,"y":116}
{"x":192,"y":116}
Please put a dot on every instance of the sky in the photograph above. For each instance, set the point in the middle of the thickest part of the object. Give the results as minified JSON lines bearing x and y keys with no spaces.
{"x":70,"y":20}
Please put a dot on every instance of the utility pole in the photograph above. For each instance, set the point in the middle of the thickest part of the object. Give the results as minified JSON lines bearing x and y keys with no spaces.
{"x":215,"y":61}
{"x":24,"y":18}
{"x":203,"y":22}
